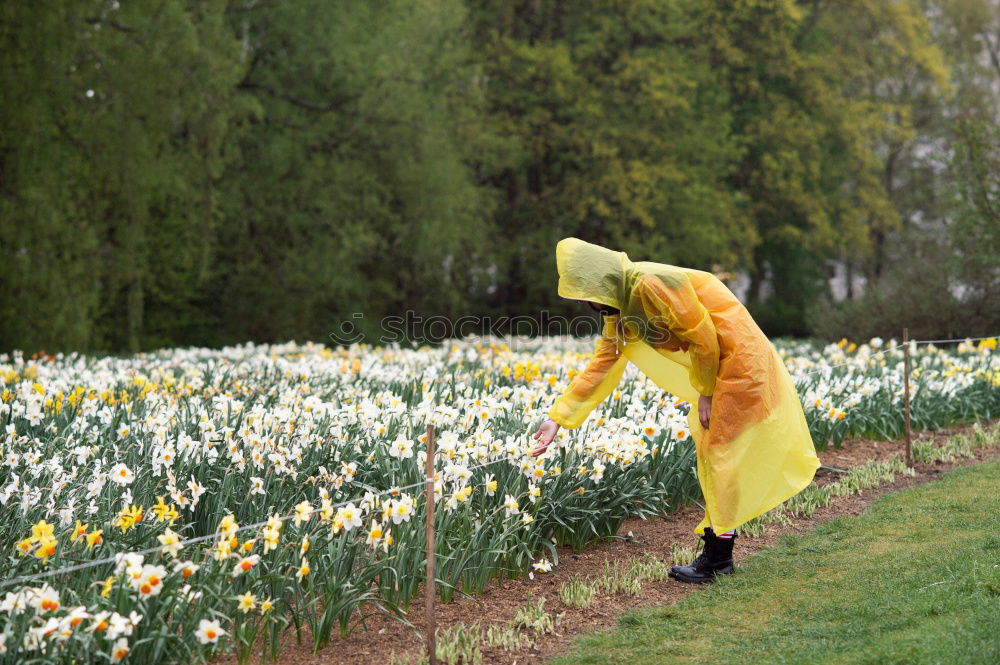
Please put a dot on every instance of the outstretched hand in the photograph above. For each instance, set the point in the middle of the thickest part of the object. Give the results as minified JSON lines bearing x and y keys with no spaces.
{"x":546,"y":432}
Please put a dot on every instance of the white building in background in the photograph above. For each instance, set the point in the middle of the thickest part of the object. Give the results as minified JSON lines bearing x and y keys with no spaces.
{"x":836,"y":273}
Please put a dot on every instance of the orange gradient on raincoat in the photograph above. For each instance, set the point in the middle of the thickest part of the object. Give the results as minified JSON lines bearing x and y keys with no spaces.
{"x":688,"y":333}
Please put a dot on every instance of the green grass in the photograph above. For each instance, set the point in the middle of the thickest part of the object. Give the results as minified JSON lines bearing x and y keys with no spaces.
{"x":916,"y":579}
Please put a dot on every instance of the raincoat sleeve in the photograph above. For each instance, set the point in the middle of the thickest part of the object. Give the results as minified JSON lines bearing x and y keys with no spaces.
{"x":591,"y":386}
{"x":688,"y":319}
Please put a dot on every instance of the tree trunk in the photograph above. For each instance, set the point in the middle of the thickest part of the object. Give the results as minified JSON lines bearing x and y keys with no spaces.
{"x":757,"y":275}
{"x":849,"y":278}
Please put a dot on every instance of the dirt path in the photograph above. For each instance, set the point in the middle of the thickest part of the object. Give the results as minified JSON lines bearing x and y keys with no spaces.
{"x":503,"y":597}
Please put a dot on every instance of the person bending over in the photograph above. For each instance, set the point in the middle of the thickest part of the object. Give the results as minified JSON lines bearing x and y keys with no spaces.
{"x":689,"y":334}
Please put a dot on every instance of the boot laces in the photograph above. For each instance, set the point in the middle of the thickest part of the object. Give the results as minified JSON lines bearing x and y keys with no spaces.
{"x":700,"y":561}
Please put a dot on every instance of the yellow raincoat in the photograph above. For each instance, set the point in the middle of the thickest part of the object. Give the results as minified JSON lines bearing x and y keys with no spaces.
{"x":689,"y":334}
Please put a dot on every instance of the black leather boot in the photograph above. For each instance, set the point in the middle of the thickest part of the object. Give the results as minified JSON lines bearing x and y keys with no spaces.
{"x":715,"y":559}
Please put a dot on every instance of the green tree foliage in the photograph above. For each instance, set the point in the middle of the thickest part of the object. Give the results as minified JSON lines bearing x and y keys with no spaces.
{"x":623,"y":137}
{"x":943,"y":182}
{"x":810,"y":83}
{"x":973,"y":191}
{"x":114,"y":136}
{"x":354,"y":191}
{"x":185,"y":172}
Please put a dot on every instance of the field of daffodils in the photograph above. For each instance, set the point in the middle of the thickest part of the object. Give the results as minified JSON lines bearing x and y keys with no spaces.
{"x":163,"y":507}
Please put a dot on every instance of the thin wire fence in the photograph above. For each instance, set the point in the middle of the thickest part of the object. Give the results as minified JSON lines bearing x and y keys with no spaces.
{"x":117,"y":557}
{"x":948,"y":341}
{"x":896,"y":347}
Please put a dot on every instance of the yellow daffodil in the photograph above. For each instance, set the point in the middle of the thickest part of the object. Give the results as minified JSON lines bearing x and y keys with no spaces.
{"x":246,"y":602}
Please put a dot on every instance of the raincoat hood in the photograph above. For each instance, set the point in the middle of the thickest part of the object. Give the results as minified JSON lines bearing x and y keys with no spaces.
{"x":593,"y":273}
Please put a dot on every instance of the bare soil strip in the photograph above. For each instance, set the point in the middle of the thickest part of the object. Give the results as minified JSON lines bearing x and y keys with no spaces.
{"x":374,"y":637}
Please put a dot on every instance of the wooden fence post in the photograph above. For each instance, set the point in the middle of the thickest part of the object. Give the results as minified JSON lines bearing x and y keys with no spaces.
{"x":906,"y":394}
{"x":431,"y":591}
